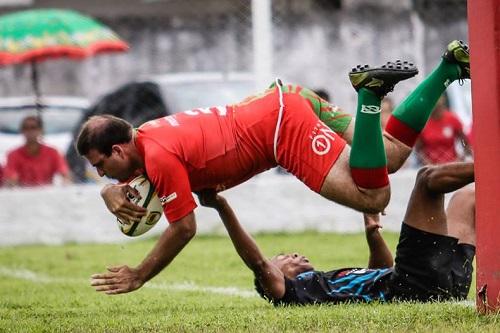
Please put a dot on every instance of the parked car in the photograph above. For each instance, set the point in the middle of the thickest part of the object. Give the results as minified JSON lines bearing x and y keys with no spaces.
{"x":185,"y":91}
{"x":59,"y":114}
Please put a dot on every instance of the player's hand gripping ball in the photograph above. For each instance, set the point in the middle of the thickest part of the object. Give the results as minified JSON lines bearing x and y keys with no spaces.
{"x":149,"y":200}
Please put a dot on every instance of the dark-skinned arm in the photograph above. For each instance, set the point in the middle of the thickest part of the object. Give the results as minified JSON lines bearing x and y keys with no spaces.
{"x":123,"y":279}
{"x":270,"y":277}
{"x":380,"y":256}
{"x":448,"y":177}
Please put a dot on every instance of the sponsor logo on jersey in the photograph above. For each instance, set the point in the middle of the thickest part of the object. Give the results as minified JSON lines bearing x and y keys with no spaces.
{"x":220,"y":110}
{"x":166,"y":199}
{"x":160,"y":122}
{"x":172,"y":121}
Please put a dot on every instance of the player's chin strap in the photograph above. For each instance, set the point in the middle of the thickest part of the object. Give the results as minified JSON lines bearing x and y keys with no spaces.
{"x":279,"y":85}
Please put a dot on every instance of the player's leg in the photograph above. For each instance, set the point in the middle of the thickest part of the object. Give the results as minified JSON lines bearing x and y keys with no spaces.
{"x":426,"y":255}
{"x":341,"y":123}
{"x":340,"y":187}
{"x":461,"y":224}
{"x":461,"y":215}
{"x":363,"y":180}
{"x":425,"y":209}
{"x":410,"y":117}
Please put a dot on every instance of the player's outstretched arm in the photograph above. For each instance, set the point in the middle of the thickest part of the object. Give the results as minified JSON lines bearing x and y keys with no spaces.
{"x":270,"y":277}
{"x":124,"y":279}
{"x":380,"y":255}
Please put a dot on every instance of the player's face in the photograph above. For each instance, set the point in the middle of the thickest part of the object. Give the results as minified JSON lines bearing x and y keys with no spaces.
{"x":117,"y":165}
{"x":292,"y":264}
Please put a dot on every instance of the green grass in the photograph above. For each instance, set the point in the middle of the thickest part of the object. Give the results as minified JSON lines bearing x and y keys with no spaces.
{"x":46,"y":289}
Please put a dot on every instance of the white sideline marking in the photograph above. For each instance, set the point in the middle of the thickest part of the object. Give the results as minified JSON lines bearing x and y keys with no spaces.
{"x":27,"y":275}
{"x":190,"y":286}
{"x":467,"y":303}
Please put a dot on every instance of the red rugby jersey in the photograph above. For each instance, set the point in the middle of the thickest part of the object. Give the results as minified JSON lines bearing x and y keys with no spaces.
{"x":438,"y":138}
{"x":217,"y":147}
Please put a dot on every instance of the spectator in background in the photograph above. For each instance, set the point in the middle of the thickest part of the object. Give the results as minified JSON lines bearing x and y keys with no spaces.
{"x":34,"y":163}
{"x":386,"y":109}
{"x":437,"y":142}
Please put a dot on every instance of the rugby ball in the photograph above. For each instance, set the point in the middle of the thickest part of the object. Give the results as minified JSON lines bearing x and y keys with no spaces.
{"x":149,"y":200}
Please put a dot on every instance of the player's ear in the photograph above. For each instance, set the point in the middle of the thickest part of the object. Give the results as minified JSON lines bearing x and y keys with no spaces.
{"x":118,"y":149}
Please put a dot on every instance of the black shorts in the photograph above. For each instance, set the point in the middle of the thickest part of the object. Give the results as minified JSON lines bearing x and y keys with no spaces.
{"x":431,"y":267}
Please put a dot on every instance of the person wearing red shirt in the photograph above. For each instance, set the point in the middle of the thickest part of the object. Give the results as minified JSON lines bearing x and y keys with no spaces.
{"x":290,"y":126}
{"x":34,"y":163}
{"x":437,"y":142}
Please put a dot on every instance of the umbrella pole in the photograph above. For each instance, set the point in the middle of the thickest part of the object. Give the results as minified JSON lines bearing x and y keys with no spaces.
{"x":36,"y":88}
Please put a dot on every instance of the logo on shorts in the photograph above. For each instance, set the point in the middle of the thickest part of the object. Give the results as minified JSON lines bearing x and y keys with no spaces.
{"x":166,"y":199}
{"x":322,"y":138}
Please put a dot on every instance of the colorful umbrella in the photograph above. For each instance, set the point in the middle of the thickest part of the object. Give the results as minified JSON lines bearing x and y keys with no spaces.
{"x":36,"y":35}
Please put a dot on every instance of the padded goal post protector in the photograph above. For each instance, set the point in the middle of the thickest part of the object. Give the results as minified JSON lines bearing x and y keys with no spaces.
{"x":484,"y":39}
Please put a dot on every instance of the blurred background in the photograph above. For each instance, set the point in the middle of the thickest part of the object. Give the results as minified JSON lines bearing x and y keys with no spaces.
{"x":194,"y":53}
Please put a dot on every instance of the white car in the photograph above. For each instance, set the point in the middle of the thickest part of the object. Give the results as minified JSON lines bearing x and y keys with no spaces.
{"x":59,"y":114}
{"x":185,"y":91}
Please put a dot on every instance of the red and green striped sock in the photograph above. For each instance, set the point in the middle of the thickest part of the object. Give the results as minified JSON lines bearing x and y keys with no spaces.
{"x":368,"y":161}
{"x":410,"y":117}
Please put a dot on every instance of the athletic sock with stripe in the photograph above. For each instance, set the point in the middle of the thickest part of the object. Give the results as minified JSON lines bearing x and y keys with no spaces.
{"x":367,"y":160}
{"x":410,"y":117}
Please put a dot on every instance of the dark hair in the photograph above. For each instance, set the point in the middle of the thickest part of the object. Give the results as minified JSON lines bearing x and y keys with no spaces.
{"x":36,"y":119}
{"x":322,"y":93}
{"x":101,"y":133}
{"x":259,"y":289}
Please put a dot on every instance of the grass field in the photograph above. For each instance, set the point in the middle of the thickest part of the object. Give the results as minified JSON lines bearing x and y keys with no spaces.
{"x":207,"y":288}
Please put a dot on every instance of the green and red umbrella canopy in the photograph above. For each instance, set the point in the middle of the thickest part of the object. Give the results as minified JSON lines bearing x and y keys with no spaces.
{"x":36,"y":35}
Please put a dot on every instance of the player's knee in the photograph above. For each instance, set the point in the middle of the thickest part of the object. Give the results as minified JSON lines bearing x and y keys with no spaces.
{"x":377,"y":200}
{"x":425,"y":177}
{"x":465,"y":197}
{"x":467,"y":193}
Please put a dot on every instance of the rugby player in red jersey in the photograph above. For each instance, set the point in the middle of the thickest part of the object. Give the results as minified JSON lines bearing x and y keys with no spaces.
{"x":220,"y":147}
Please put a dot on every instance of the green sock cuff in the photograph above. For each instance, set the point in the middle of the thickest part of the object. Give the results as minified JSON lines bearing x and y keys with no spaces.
{"x":368,"y":149}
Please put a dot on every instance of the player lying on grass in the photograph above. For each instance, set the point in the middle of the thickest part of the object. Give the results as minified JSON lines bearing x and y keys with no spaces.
{"x":221,"y":147}
{"x":433,"y":258}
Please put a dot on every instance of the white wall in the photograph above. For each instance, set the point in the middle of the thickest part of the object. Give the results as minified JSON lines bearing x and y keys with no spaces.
{"x":268,"y":202}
